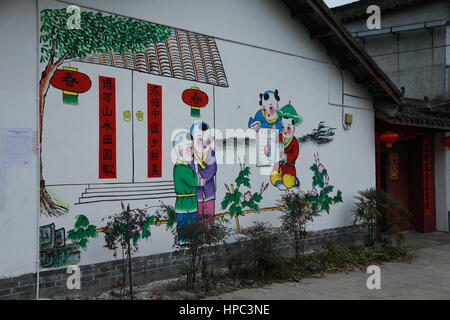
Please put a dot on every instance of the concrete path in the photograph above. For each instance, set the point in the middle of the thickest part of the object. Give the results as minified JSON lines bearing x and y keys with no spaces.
{"x":426,"y":277}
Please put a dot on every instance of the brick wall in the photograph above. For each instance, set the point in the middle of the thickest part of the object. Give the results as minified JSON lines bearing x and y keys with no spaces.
{"x":102,"y":276}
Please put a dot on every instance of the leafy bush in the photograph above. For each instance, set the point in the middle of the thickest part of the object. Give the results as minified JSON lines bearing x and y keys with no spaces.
{"x":335,"y":257}
{"x":257,"y":251}
{"x":298,"y":211}
{"x":197,"y":237}
{"x":383,"y":215}
{"x":124,"y":230}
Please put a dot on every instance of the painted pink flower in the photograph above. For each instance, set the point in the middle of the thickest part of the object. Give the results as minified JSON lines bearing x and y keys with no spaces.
{"x":136,"y":230}
{"x":321,"y":168}
{"x":327,"y":179}
{"x":314,"y":192}
{"x":247,"y":196}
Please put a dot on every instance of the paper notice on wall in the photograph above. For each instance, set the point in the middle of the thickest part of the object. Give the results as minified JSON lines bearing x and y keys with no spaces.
{"x":17,"y":148}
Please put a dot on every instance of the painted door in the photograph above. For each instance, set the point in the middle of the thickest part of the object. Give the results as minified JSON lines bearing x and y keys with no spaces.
{"x":154,"y":126}
{"x":85,"y":143}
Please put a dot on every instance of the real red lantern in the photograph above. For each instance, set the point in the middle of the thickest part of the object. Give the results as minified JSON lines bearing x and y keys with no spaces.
{"x":389,"y":138}
{"x":446,"y":142}
{"x":196,"y":99}
{"x":71,"y":82}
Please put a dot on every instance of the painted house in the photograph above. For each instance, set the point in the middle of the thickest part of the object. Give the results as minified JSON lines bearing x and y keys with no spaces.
{"x":413,"y":48}
{"x":165,"y":102}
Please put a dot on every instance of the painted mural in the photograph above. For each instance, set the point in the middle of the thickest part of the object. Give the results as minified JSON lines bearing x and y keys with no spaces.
{"x":105,"y":39}
{"x":132,"y":83}
{"x":54,"y":251}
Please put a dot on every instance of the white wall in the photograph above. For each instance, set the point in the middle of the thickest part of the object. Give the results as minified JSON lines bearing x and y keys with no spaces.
{"x":264,"y":23}
{"x":285,"y":58}
{"x":18,"y":96}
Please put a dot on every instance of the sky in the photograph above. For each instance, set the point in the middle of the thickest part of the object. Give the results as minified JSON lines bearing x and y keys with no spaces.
{"x":334,"y":3}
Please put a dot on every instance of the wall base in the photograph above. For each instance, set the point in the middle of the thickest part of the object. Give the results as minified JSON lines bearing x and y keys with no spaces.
{"x":99,"y":277}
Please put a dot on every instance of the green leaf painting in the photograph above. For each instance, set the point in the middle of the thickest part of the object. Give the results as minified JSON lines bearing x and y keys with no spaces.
{"x":319,"y":196}
{"x":97,"y":33}
{"x":82,"y":231}
{"x":236,"y":201}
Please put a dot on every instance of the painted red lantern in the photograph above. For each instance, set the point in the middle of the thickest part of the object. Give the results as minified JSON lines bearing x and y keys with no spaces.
{"x":71,"y":82}
{"x":196,"y":99}
{"x":446,"y":142}
{"x":389,"y":138}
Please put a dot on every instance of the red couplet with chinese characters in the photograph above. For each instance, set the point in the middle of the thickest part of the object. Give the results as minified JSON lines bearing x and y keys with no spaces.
{"x":427,"y":168}
{"x":154,"y":113}
{"x":107,"y":128}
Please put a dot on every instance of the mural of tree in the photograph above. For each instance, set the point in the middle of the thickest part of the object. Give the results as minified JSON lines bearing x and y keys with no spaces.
{"x":97,"y":33}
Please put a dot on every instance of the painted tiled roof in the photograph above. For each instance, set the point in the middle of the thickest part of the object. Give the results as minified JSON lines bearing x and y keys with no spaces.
{"x":184,"y":55}
{"x":358,"y":9}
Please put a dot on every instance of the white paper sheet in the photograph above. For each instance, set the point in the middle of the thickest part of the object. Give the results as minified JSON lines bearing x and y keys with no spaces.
{"x":17,"y":147}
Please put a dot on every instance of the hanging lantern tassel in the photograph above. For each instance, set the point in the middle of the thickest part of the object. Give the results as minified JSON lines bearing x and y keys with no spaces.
{"x":195,"y":112}
{"x":70,"y":97}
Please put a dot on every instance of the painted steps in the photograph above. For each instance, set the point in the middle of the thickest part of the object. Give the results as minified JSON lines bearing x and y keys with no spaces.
{"x":106,"y":192}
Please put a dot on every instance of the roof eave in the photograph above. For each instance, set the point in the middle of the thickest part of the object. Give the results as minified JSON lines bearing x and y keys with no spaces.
{"x":373,"y":74}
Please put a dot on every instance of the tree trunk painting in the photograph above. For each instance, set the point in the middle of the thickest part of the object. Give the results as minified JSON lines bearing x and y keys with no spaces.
{"x":48,"y":206}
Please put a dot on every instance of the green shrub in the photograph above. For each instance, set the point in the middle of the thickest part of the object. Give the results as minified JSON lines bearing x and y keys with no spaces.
{"x":298,"y":211}
{"x":258,"y":254}
{"x":383,"y":215}
{"x":197,"y":237}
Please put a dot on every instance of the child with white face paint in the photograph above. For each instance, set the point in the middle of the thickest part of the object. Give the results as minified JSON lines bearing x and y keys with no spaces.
{"x":186,"y":182}
{"x":205,"y":164}
{"x":267,"y":117}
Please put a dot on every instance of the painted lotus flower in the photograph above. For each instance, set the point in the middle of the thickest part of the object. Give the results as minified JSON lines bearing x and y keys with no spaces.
{"x":247,"y":196}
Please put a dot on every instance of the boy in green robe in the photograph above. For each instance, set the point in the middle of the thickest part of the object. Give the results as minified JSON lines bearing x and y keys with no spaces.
{"x":186,"y":182}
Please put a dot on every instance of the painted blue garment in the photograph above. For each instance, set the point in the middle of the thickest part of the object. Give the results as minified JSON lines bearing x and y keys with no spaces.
{"x":259,"y":118}
{"x":183,"y":220}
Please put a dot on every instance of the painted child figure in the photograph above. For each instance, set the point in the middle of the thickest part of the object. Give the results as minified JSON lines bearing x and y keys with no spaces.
{"x":267,"y":117}
{"x":205,"y":164}
{"x":284,"y":173}
{"x":186,"y":182}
